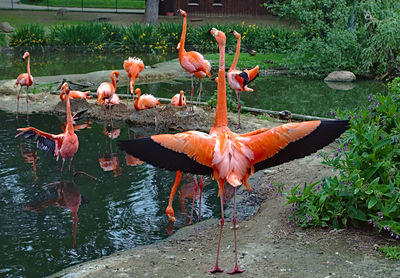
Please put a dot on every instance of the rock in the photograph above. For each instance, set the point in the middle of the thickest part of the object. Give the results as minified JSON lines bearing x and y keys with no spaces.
{"x":343,"y":86}
{"x":9,"y":88}
{"x":6,"y":27}
{"x":341,"y":76}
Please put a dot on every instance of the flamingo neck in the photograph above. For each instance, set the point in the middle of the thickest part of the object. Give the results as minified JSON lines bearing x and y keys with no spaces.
{"x":28,"y":65}
{"x":221,"y":114}
{"x":183,"y":37}
{"x":113,"y":82}
{"x":136,"y":104}
{"x":235,"y":60}
{"x":180,"y":99}
{"x":70,"y":126}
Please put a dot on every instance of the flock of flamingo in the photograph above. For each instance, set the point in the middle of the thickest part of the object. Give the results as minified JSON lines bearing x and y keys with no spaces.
{"x":228,"y":157}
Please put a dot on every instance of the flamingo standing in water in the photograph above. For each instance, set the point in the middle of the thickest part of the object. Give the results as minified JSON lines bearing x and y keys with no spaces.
{"x":24,"y":79}
{"x":238,"y":79}
{"x":231,"y":157}
{"x":133,"y":66}
{"x":106,"y":91}
{"x":192,"y":62}
{"x":179,"y":99}
{"x":143,"y":102}
{"x":64,"y":144}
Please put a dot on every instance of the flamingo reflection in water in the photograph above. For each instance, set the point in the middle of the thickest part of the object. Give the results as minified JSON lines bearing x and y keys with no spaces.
{"x":110,"y":160}
{"x":30,"y":157}
{"x":66,"y":194}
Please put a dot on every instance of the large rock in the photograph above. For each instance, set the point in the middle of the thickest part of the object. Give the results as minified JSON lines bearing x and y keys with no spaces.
{"x":6,"y":27}
{"x":8,"y":87}
{"x":340,"y":76}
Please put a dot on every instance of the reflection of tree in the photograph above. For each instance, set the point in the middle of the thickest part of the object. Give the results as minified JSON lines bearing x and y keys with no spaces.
{"x":66,"y":194}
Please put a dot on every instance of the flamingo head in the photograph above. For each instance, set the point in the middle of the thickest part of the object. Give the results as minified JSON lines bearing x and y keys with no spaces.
{"x":137,"y":91}
{"x":116,"y":73}
{"x":65,"y":88}
{"x":26,"y":54}
{"x":181,"y":92}
{"x":182,"y":12}
{"x":218,"y":35}
{"x":236,"y":34}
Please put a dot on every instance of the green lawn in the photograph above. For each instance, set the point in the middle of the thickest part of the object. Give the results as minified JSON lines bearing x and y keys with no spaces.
{"x":265,"y":61}
{"x":122,"y":4}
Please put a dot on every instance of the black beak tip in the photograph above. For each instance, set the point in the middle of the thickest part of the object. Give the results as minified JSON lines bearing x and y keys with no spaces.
{"x":231,"y":31}
{"x":209,"y":31}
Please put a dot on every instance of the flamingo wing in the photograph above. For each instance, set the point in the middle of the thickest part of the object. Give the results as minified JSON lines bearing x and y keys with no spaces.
{"x":190,"y":151}
{"x":193,"y":62}
{"x":45,"y":141}
{"x":284,"y":143}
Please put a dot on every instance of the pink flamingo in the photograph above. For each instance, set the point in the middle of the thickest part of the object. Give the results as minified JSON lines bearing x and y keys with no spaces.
{"x":106,"y":91}
{"x":24,"y":79}
{"x":231,"y":157}
{"x":143,"y":102}
{"x":192,"y":62}
{"x":238,"y":79}
{"x":179,"y":99}
{"x":76,"y":95}
{"x":133,"y":66}
{"x":64,"y":144}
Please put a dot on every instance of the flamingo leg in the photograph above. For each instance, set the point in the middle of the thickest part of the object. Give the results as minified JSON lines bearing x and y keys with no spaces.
{"x":201,"y":193}
{"x":191,"y":94}
{"x":70,"y":162}
{"x":170,"y":211}
{"x":27,"y":100}
{"x":216,"y":268}
{"x":194,"y":199}
{"x":62,"y":166}
{"x":109,"y":110}
{"x":127,"y":93}
{"x":19,"y":92}
{"x":200,"y":89}
{"x":239,"y":107}
{"x":236,"y":268}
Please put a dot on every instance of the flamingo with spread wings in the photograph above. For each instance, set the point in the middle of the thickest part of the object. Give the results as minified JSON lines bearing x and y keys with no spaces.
{"x":64,"y":144}
{"x":237,"y":79}
{"x":192,"y":62}
{"x":24,"y":79}
{"x":228,"y":156}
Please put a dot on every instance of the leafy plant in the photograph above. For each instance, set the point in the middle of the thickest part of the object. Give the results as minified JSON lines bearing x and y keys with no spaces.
{"x":366,"y":188}
{"x":391,"y":252}
{"x":29,"y":35}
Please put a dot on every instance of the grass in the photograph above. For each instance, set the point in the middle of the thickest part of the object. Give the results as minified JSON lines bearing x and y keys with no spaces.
{"x":391,"y":252}
{"x":264,"y":60}
{"x":45,"y":19}
{"x":122,"y":4}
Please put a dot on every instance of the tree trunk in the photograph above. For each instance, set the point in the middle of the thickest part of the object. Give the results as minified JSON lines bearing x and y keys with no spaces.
{"x":151,"y":12}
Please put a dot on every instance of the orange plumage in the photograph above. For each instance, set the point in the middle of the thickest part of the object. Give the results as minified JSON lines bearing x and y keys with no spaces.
{"x":145,"y":101}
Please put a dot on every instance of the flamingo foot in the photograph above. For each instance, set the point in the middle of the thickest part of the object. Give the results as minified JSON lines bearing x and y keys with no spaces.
{"x":236,"y":269}
{"x":215,"y":269}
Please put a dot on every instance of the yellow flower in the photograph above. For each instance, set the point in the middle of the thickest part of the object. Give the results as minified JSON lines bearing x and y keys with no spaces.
{"x":273,"y":36}
{"x":125,"y":38}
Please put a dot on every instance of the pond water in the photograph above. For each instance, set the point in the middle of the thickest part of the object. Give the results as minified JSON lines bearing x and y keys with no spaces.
{"x":119,"y":210}
{"x":277,"y":93}
{"x":46,"y":62}
{"x":301,"y":96}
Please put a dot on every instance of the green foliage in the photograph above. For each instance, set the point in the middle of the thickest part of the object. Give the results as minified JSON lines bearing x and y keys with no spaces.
{"x":122,"y":4}
{"x":231,"y":100}
{"x":41,"y":88}
{"x":3,"y":40}
{"x":336,"y":36}
{"x":391,"y":252}
{"x":160,"y":38}
{"x":367,"y":186}
{"x":29,"y":35}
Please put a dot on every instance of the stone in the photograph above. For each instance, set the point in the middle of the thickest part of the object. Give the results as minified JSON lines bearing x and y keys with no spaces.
{"x":342,"y":86}
{"x":6,"y":27}
{"x":340,"y":76}
{"x":9,"y":88}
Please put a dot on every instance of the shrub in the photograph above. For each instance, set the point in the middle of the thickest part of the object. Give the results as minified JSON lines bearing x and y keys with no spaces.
{"x":367,"y":186}
{"x":29,"y":35}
